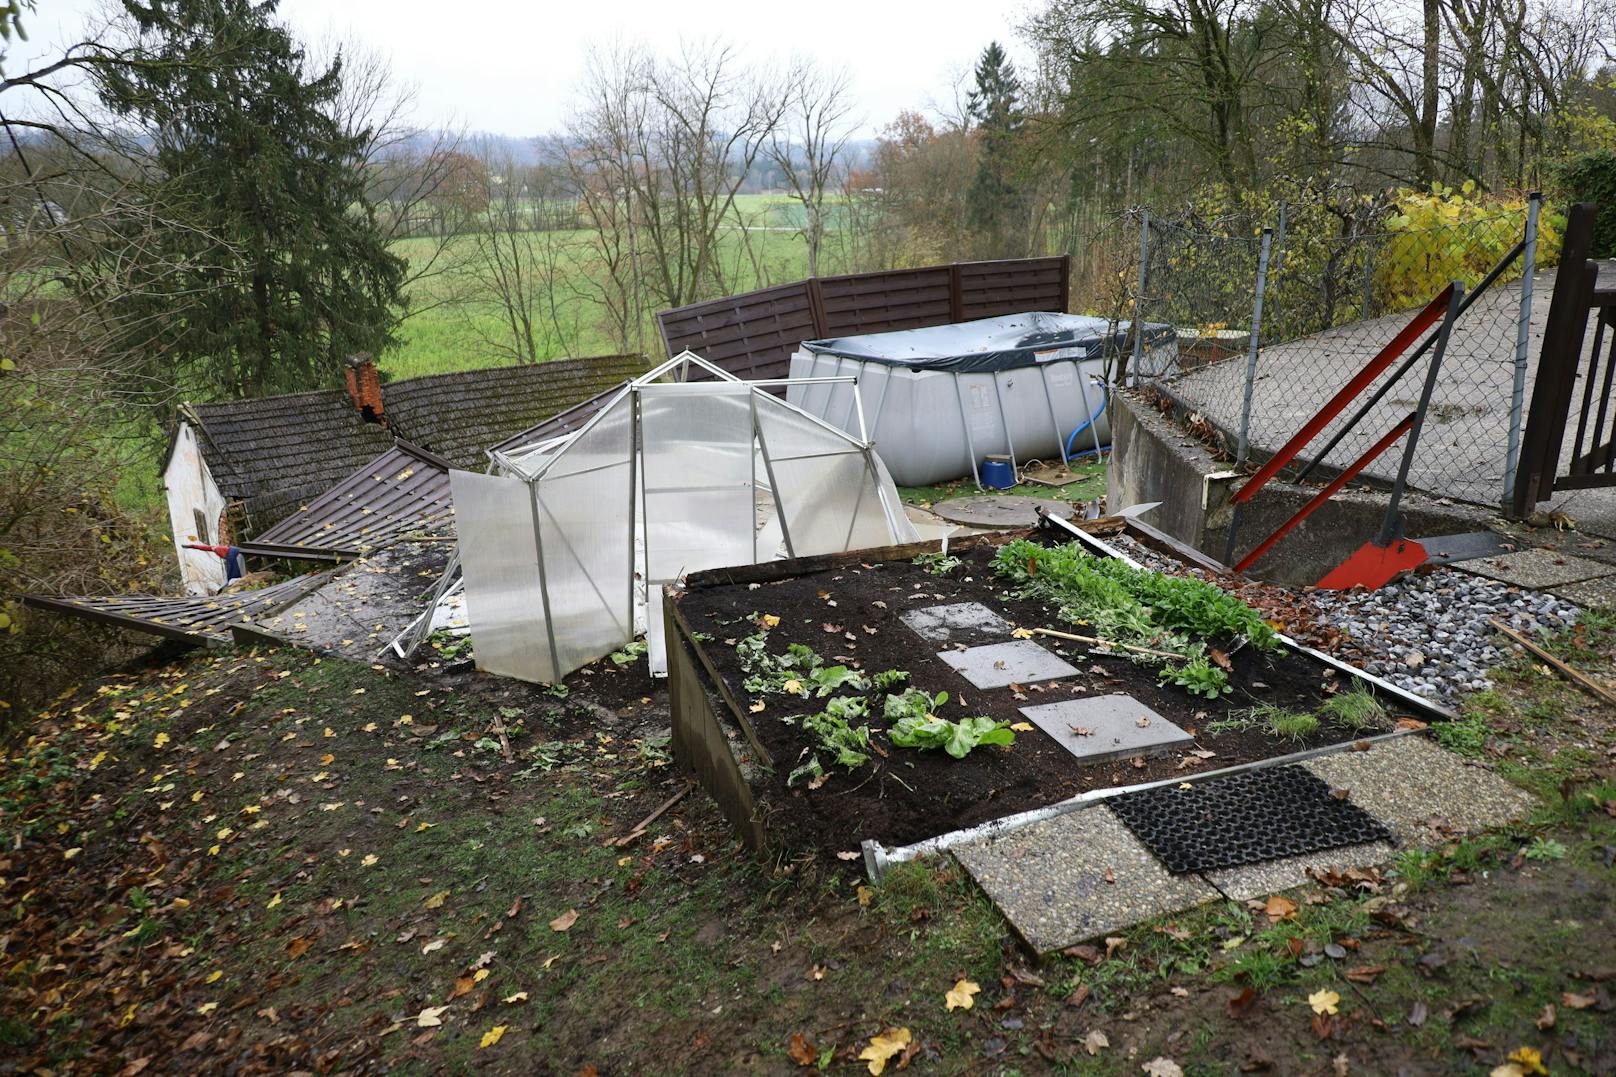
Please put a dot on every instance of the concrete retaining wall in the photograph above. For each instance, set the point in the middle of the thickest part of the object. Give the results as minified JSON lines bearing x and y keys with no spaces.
{"x":1154,"y":459}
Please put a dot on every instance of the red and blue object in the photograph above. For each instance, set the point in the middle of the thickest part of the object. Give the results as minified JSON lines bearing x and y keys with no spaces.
{"x":235,"y":565}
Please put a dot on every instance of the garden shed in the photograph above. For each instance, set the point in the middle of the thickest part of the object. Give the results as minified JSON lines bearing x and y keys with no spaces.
{"x":566,"y":543}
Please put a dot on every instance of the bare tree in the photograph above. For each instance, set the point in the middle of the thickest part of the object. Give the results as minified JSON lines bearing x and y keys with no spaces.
{"x":513,"y":275}
{"x":657,"y":153}
{"x":810,"y":142}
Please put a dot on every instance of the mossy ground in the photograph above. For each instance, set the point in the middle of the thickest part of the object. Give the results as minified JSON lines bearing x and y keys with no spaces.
{"x":265,"y":862}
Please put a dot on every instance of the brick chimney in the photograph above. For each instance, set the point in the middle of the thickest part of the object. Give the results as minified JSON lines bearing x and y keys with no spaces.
{"x":365,"y":386}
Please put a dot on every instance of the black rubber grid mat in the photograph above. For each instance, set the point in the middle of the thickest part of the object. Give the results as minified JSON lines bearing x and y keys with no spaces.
{"x":1244,"y":819}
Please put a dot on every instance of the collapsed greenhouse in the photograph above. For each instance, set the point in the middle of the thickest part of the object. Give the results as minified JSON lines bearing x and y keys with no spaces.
{"x":566,"y":543}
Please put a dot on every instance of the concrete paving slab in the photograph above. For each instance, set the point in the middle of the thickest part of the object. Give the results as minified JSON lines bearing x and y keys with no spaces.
{"x":957,"y":622}
{"x":1077,"y":876}
{"x":1536,"y":568}
{"x":1421,"y":791}
{"x":1599,"y":593}
{"x":1102,"y":728}
{"x":1019,"y":662}
{"x":1259,"y":880}
{"x":1000,"y":510}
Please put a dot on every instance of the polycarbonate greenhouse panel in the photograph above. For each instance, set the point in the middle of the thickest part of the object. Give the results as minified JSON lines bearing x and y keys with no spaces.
{"x":500,"y":563}
{"x":697,"y":453}
{"x":586,"y":535}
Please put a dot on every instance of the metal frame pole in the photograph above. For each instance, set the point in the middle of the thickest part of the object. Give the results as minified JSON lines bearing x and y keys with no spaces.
{"x":1523,"y":333}
{"x":1139,"y":299}
{"x":1391,"y":528}
{"x":1254,"y":346}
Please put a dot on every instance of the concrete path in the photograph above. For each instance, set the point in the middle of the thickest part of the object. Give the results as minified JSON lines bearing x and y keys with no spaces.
{"x":1084,"y":874}
{"x":1586,"y":580}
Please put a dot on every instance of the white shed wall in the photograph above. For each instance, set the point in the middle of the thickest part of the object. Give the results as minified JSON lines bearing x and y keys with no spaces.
{"x":190,"y":488}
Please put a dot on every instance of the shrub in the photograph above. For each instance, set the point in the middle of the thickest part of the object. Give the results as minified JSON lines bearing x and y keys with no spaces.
{"x":1591,"y":177}
{"x":1443,"y":234}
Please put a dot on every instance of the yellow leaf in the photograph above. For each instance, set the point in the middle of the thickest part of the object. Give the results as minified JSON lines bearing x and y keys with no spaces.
{"x":159,"y":740}
{"x":512,"y":1000}
{"x":864,"y":895}
{"x":1022,"y":727}
{"x":370,"y":858}
{"x":770,"y":620}
{"x":100,"y":757}
{"x":492,"y":1036}
{"x":436,"y":900}
{"x":224,"y":833}
{"x":329,"y":732}
{"x":1324,"y":1001}
{"x":757,"y":707}
{"x":207,"y":1008}
{"x":423,"y":827}
{"x":274,"y":901}
{"x":213,"y":977}
{"x":1530,"y":1059}
{"x":565,"y":921}
{"x":69,"y":854}
{"x":479,"y":976}
{"x":430,"y":1017}
{"x":959,"y":996}
{"x":793,"y":686}
{"x":883,"y":1047}
{"x":327,"y":759}
{"x":368,"y":727}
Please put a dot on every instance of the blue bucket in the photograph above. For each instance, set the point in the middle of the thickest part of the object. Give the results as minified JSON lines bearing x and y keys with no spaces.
{"x":998,"y":474}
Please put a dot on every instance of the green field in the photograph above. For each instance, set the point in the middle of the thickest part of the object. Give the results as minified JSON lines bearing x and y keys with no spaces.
{"x":451,"y":326}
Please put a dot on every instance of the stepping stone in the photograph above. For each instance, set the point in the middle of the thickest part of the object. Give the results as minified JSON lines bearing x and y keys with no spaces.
{"x":1270,"y":877}
{"x":1019,"y":662}
{"x":1422,"y":792}
{"x":1537,"y":568}
{"x":1077,"y":876}
{"x":955,"y":622}
{"x":1598,"y":594}
{"x":1113,"y":728}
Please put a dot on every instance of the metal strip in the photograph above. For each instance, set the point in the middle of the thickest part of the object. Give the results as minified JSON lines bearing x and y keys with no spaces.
{"x":774,"y":488}
{"x":544,"y":584}
{"x":1049,"y":398}
{"x":965,"y":427}
{"x":1004,"y":418}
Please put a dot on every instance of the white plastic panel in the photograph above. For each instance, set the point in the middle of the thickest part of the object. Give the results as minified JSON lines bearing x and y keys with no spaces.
{"x":697,"y":454}
{"x":499,"y":561}
{"x":586,"y":533}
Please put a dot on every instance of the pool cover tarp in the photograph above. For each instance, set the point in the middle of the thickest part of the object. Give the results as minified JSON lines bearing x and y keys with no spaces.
{"x":1005,"y":343}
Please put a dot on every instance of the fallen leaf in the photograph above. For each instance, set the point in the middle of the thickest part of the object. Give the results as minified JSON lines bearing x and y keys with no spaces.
{"x":802,"y":1050}
{"x":298,"y":946}
{"x":1240,"y":1005}
{"x":1324,"y":1002}
{"x":1162,"y":1067}
{"x":1529,"y":1059}
{"x":1573,"y":1001}
{"x":436,"y":900}
{"x":1022,"y":727}
{"x":769,"y":620}
{"x":1365,"y":974}
{"x":1418,"y":1013}
{"x":1545,"y":1020}
{"x":430,"y":1017}
{"x":757,"y":707}
{"x":516,"y":999}
{"x":433,"y":946}
{"x":959,"y":996}
{"x":565,"y":921}
{"x":1278,"y":908}
{"x":1095,"y":1042}
{"x":491,"y":1037}
{"x":882,"y":1047}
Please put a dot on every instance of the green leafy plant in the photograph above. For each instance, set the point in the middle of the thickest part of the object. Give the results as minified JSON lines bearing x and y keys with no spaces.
{"x":828,"y":679}
{"x":1545,"y":849}
{"x":628,"y":654}
{"x":912,"y":703}
{"x":1198,"y":677}
{"x":1356,"y":709}
{"x":955,"y":738}
{"x":834,"y":729}
{"x":938,"y":564}
{"x":889,"y":678}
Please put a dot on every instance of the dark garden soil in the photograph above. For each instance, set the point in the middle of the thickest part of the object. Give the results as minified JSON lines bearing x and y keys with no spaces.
{"x":851,"y":616}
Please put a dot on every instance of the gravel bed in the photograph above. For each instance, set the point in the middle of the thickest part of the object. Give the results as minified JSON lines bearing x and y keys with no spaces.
{"x":1427,"y":633}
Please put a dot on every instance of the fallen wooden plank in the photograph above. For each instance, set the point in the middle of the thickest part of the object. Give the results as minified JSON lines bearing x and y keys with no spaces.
{"x":1594,"y":688}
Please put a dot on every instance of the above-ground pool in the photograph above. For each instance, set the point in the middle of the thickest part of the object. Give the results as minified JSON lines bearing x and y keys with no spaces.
{"x":937,"y":401}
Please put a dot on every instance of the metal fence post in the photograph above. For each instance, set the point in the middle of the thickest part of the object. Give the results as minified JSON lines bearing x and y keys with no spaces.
{"x":1251,"y":351}
{"x":1139,"y":298}
{"x":1523,"y":332}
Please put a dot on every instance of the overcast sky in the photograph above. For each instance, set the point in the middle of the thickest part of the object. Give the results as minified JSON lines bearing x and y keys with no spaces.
{"x":509,"y":67}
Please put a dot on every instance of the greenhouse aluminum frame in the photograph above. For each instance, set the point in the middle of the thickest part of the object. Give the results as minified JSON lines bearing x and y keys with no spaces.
{"x":565,"y":545}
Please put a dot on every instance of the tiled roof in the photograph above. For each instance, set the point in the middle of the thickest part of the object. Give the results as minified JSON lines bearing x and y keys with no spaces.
{"x":404,"y":490}
{"x":460,"y":415}
{"x":199,"y":620}
{"x":292,"y":446}
{"x":278,"y":453}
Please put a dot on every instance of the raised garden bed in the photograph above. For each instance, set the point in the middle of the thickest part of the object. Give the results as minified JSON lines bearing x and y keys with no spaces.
{"x":780,"y":687}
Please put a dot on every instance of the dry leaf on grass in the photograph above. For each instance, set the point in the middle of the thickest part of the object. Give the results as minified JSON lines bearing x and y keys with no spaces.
{"x":565,"y":921}
{"x":959,"y":997}
{"x":882,"y":1047}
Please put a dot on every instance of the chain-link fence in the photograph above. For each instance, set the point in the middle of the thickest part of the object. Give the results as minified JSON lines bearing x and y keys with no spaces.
{"x":1275,"y":314}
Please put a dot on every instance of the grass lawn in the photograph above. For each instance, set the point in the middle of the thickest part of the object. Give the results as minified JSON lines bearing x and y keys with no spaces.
{"x":267,"y":862}
{"x":1087,"y":488}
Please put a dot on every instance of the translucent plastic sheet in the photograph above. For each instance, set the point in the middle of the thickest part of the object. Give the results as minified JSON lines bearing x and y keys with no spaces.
{"x":500,"y":561}
{"x":697,"y":450}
